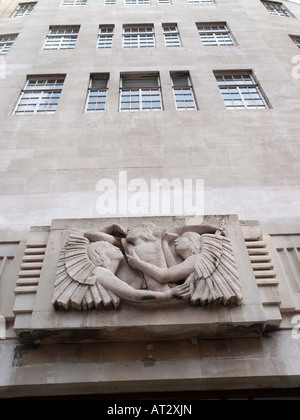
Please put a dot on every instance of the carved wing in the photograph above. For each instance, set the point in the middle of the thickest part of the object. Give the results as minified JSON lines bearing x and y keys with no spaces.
{"x":215,"y":279}
{"x":74,"y":287}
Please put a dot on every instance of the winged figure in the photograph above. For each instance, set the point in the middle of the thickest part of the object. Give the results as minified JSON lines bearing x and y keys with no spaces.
{"x":207,"y":265}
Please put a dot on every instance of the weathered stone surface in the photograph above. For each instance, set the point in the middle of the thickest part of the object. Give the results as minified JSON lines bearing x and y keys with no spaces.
{"x":176,"y":365}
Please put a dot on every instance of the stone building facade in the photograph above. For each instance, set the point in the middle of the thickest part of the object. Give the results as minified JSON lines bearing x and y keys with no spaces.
{"x":198,"y":90}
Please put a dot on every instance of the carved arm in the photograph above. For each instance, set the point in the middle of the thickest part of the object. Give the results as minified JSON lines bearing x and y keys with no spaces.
{"x":167,"y":240}
{"x":107,"y":279}
{"x":95,"y":236}
{"x":162,"y":275}
{"x":201,"y":229}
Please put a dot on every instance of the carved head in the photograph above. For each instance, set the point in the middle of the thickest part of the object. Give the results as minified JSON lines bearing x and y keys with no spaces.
{"x":188,"y":242}
{"x":144,"y":231}
{"x":101,"y":253}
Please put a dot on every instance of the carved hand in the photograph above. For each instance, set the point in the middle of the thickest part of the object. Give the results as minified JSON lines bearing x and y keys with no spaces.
{"x":133,"y":260}
{"x":180,"y":292}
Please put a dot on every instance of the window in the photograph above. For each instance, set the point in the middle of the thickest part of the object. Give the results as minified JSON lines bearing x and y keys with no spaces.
{"x":40,"y":95}
{"x":105,"y":36}
{"x":215,"y":34}
{"x":138,"y":36}
{"x":200,"y":1}
{"x":183,"y":91}
{"x":97,"y":93}
{"x":61,"y":37}
{"x":296,"y":39}
{"x":240,"y":90}
{"x":277,"y":9}
{"x":137,"y":2}
{"x":74,"y":2}
{"x":140,"y":93}
{"x":171,"y":35}
{"x":164,"y":1}
{"x":110,"y":2}
{"x":6,"y":42}
{"x":24,"y":9}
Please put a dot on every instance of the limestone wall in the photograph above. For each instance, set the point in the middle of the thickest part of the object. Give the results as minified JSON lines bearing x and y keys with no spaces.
{"x":50,"y":164}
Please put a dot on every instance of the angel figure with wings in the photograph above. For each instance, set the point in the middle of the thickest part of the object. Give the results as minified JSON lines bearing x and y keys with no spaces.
{"x":205,"y":261}
{"x":88,"y":275}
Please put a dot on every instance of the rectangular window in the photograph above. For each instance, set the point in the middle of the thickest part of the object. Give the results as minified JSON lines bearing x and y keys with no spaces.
{"x":74,"y":3}
{"x":137,"y":2}
{"x":277,"y":8}
{"x":24,"y":9}
{"x":105,"y":36}
{"x":296,"y":39}
{"x":138,"y":36}
{"x":110,"y":2}
{"x":240,"y":90}
{"x":171,"y":35}
{"x":215,"y":34}
{"x":40,"y":95}
{"x":183,"y":91}
{"x":97,"y":92}
{"x":140,"y":92}
{"x":61,"y":37}
{"x":6,"y":42}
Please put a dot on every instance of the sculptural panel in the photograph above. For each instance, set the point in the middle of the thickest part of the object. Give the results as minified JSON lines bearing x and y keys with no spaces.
{"x":147,"y":263}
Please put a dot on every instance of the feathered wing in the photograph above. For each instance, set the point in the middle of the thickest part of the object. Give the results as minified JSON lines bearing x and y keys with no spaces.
{"x":215,"y":279}
{"x":74,"y":287}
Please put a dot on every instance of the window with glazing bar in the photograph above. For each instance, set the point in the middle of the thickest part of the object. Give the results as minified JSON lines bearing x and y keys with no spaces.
{"x":105,"y":36}
{"x":171,"y":35}
{"x":138,"y":36}
{"x":40,"y":95}
{"x":183,"y":91}
{"x":97,"y":92}
{"x":24,"y":9}
{"x":140,"y":92}
{"x":6,"y":42}
{"x":215,"y":34}
{"x":61,"y":37}
{"x":240,"y":90}
{"x":277,"y":8}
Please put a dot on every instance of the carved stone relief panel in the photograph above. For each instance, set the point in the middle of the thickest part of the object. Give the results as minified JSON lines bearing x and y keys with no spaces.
{"x":98,"y":269}
{"x":119,"y":279}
